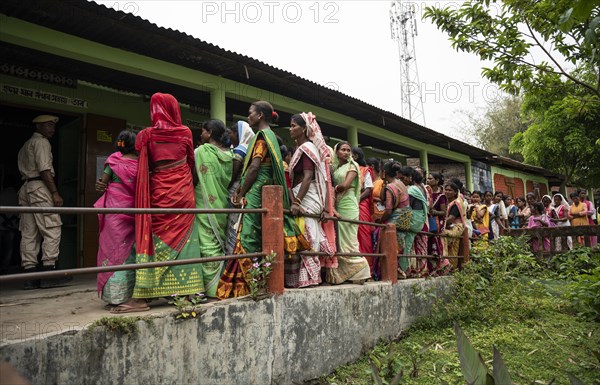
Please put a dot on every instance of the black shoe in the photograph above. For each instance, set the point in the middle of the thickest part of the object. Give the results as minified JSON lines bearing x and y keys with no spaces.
{"x":48,"y":283}
{"x":33,"y":284}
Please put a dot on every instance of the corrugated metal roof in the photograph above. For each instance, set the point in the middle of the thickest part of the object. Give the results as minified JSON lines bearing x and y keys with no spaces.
{"x":125,"y":31}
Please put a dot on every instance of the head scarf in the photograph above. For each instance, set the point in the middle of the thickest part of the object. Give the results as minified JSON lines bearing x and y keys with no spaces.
{"x":245,"y":135}
{"x":164,"y":111}
{"x":563,"y":201}
{"x":313,"y":132}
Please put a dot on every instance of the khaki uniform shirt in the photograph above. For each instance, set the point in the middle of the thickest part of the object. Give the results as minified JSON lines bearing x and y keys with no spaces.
{"x":35,"y":156}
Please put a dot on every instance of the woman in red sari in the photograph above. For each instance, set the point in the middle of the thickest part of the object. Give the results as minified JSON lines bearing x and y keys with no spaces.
{"x":437,"y":219}
{"x":166,"y":179}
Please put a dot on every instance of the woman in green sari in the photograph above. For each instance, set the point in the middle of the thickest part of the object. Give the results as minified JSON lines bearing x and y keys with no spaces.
{"x":347,"y":192}
{"x":263,"y":166}
{"x":214,"y":164}
{"x":418,"y":204}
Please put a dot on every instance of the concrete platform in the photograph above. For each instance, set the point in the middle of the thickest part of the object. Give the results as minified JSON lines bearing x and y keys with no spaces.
{"x":40,"y":313}
{"x":284,"y":339}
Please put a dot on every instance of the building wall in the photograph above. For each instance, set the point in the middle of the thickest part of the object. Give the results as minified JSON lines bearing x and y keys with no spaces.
{"x":521,"y":183}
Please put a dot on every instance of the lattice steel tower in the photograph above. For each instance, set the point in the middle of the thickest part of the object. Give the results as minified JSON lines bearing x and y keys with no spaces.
{"x":404,"y":30}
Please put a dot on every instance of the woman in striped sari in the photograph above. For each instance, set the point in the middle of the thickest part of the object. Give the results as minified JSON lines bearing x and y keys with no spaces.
{"x":311,"y":190}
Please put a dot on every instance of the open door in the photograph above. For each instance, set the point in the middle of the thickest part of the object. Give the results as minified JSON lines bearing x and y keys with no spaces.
{"x":101,"y":134}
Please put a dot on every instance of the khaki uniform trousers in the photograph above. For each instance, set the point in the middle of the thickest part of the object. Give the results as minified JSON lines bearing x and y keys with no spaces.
{"x":37,"y":227}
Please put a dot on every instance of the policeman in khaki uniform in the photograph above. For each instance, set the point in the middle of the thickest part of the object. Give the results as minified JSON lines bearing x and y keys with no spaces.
{"x":39,"y":190}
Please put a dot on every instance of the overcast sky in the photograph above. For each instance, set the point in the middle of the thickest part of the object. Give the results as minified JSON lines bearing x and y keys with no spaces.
{"x":345,"y":45}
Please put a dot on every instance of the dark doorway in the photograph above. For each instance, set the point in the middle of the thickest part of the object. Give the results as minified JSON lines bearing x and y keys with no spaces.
{"x":15,"y":123}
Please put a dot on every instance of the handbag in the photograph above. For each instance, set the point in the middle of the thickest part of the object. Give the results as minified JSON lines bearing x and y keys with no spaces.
{"x":433,"y":220}
{"x":404,"y":215}
{"x":433,"y":224}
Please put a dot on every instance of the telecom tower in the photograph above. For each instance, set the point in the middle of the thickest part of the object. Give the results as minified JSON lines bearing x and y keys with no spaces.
{"x":404,"y":30}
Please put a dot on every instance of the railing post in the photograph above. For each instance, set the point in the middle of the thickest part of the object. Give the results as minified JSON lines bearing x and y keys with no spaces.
{"x":272,"y":234}
{"x":389,"y":247}
{"x":464,"y":249}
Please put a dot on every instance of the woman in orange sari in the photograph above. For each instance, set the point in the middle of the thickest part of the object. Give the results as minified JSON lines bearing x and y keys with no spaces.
{"x":263,"y":166}
{"x":166,"y":179}
{"x":578,"y":214}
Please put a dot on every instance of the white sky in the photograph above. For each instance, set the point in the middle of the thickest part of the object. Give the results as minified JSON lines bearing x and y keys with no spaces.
{"x":345,"y":45}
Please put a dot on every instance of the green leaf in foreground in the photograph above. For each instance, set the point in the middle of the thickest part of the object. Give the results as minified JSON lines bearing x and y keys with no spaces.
{"x":473,"y":366}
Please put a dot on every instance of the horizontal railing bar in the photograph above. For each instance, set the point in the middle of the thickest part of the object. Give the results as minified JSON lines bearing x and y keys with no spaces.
{"x":430,"y":256}
{"x":341,"y":254}
{"x":562,"y":231}
{"x":332,"y":218}
{"x":133,"y":266}
{"x":115,"y":210}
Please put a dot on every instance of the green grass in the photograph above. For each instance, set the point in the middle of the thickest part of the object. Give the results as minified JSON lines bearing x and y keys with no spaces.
{"x":537,"y":346}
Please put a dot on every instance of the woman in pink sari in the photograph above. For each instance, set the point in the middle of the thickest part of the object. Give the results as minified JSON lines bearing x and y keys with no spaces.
{"x":536,"y":220}
{"x":117,"y":231}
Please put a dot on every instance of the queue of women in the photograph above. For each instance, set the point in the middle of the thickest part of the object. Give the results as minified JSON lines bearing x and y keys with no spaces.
{"x":159,"y":168}
{"x":493,"y":213}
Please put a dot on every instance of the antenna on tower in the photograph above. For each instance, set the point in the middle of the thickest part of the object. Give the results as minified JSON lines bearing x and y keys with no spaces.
{"x":404,"y":30}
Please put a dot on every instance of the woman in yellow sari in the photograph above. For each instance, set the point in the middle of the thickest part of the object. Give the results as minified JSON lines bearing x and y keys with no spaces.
{"x":455,"y":221}
{"x":478,"y":213}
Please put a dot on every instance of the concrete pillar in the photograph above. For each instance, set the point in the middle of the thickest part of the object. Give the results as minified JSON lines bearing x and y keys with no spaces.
{"x":272,"y":234}
{"x":424,"y":160}
{"x":217,"y":104}
{"x":389,"y":247}
{"x":353,"y":136}
{"x":469,"y":175}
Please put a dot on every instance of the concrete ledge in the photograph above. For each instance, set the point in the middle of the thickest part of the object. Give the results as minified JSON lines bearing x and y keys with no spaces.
{"x":299,"y":335}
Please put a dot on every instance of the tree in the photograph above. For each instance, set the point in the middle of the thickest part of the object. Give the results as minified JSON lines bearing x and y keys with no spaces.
{"x":508,"y":32}
{"x":493,"y":129}
{"x":563,"y":133}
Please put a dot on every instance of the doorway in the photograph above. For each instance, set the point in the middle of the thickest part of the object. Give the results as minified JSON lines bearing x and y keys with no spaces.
{"x":15,"y":121}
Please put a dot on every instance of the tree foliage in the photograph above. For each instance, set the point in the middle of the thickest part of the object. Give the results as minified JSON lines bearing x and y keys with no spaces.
{"x":509,"y":31}
{"x":563,"y":133}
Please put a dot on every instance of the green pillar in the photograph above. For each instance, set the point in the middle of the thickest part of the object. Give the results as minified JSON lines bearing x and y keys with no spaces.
{"x":424,"y":160}
{"x":469,"y":175}
{"x":217,"y":104}
{"x":353,"y":136}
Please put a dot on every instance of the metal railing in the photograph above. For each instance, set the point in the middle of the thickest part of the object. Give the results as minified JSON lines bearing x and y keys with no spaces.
{"x":558,"y":237}
{"x":272,"y":239}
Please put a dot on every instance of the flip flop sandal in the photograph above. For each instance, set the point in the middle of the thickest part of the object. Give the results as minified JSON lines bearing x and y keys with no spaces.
{"x":109,"y":306}
{"x":128,"y":309}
